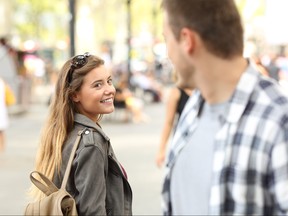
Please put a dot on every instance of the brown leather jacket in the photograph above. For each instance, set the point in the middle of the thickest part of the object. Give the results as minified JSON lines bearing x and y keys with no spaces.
{"x":97,"y":181}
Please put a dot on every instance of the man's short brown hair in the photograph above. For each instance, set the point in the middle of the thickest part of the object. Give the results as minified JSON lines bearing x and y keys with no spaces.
{"x":218,"y":23}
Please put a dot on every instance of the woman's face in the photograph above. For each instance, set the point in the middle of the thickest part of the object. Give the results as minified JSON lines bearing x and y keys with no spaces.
{"x":96,"y":94}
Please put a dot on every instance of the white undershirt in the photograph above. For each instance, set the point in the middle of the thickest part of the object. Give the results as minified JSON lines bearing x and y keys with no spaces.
{"x":192,"y":172}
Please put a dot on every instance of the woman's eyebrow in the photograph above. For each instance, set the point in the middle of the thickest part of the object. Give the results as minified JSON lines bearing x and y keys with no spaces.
{"x":100,"y":80}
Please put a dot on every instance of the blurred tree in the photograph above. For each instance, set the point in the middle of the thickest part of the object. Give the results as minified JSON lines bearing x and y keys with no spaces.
{"x":45,"y":20}
{"x":111,"y":15}
{"x":251,"y":9}
{"x":145,"y":15}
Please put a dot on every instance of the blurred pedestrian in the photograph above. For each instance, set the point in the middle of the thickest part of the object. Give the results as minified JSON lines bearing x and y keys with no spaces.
{"x":4,"y":119}
{"x":229,"y":154}
{"x":124,"y":98}
{"x":177,"y":99}
{"x":261,"y":68}
{"x":148,"y":84}
{"x":84,"y":92}
{"x":10,"y":52}
{"x":273,"y":69}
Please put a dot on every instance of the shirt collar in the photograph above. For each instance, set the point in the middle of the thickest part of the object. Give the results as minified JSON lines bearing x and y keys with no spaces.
{"x":239,"y":99}
{"x":242,"y":93}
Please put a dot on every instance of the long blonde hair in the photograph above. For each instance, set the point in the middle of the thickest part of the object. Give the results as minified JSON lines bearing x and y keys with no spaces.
{"x":60,"y":120}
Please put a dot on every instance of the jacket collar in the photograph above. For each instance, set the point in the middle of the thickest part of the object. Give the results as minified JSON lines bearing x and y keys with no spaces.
{"x":86,"y":122}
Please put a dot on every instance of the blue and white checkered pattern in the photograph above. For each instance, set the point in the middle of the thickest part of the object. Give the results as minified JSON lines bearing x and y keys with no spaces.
{"x":250,"y":169}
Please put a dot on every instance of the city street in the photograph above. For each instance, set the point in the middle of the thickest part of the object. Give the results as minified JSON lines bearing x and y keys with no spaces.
{"x":135,"y":146}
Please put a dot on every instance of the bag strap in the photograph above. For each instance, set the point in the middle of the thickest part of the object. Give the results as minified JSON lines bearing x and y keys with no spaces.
{"x":47,"y":189}
{"x":69,"y":165}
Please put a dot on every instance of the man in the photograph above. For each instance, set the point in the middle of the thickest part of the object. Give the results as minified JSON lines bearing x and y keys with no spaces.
{"x":229,"y":155}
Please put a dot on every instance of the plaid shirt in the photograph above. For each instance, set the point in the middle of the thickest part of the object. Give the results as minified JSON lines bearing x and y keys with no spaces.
{"x":250,"y":168}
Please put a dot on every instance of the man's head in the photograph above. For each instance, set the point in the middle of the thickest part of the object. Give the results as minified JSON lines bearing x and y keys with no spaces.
{"x":218,"y":24}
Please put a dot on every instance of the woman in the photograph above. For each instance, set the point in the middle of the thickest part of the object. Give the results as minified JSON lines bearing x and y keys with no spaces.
{"x":98,"y":183}
{"x":177,"y":99}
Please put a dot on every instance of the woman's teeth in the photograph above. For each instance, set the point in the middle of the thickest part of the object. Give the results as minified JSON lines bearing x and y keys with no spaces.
{"x":107,"y":100}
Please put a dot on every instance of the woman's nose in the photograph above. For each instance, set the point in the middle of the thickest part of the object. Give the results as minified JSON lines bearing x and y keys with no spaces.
{"x":110,"y":89}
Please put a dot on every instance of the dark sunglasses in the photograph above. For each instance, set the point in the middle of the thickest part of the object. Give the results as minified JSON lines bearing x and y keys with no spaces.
{"x":77,"y":62}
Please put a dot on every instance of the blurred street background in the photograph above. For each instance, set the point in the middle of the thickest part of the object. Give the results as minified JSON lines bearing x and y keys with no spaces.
{"x":37,"y":37}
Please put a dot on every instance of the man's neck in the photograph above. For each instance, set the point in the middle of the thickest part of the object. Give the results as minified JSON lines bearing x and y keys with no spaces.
{"x":218,"y":78}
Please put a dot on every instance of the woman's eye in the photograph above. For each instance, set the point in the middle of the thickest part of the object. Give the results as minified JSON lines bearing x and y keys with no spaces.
{"x":110,"y":81}
{"x":98,"y":85}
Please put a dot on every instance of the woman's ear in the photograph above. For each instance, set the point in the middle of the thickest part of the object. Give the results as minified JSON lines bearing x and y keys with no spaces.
{"x":187,"y":38}
{"x":75,"y":97}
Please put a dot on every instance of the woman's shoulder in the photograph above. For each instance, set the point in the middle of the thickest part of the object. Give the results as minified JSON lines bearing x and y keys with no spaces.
{"x":92,"y":138}
{"x":175,"y":91}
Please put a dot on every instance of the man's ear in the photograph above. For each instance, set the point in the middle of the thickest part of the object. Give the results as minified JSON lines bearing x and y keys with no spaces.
{"x":187,"y":38}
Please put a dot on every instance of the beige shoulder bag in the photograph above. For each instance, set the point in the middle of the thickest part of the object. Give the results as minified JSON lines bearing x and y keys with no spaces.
{"x":57,"y":201}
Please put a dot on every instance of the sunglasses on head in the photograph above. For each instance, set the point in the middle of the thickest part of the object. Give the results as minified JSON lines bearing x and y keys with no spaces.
{"x":77,"y":62}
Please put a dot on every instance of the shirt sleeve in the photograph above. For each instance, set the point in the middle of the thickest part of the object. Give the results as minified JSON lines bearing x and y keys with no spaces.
{"x":279,"y":174}
{"x":90,"y":181}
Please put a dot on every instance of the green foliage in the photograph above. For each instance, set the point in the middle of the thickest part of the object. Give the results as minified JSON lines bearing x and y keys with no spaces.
{"x":259,"y":11}
{"x":48,"y":20}
{"x":34,"y":19}
{"x":145,"y":12}
{"x":110,"y":16}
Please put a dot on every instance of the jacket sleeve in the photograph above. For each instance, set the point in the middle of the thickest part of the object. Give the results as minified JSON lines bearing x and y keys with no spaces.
{"x":90,"y":181}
